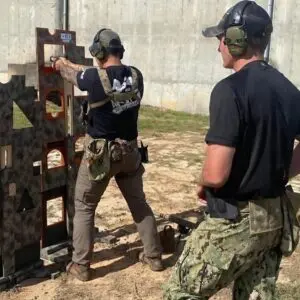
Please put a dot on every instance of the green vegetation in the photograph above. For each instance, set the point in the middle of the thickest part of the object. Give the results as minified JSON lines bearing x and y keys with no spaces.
{"x":52,"y":107}
{"x":156,"y":120}
{"x":152,"y":120}
{"x":21,"y":121}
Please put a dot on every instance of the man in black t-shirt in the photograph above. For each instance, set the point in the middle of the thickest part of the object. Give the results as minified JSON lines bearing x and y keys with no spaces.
{"x":114,"y":95}
{"x":254,"y":120}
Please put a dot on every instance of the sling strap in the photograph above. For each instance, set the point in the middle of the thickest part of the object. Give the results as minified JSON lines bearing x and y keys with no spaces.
{"x":113,"y":95}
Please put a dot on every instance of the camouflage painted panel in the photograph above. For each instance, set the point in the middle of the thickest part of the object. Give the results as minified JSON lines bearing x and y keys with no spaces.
{"x":7,"y":176}
{"x":71,"y":148}
{"x":6,"y":103}
{"x":76,"y":54}
{"x":28,"y":227}
{"x":50,"y":80}
{"x":1,"y":215}
{"x":37,"y":142}
{"x":54,"y":178}
{"x":54,"y":130}
{"x":26,"y":196}
{"x":22,"y":156}
{"x":21,"y":189}
{"x":78,"y":129}
{"x":8,"y":243}
{"x":26,"y":99}
{"x":40,"y":122}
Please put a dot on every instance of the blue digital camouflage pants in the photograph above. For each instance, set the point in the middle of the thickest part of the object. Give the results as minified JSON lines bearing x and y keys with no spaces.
{"x":219,"y":252}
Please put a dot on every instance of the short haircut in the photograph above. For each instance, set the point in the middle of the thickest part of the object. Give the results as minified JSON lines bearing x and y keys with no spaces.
{"x":259,"y":43}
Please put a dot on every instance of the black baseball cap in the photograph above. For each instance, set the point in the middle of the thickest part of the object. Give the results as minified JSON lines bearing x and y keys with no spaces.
{"x":254,"y":19}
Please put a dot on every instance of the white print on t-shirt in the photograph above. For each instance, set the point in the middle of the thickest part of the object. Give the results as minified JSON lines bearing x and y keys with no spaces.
{"x":82,"y":74}
{"x":126,"y":86}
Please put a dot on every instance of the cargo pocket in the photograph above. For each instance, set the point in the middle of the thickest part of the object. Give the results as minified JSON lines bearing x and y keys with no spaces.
{"x":200,"y":273}
{"x":97,"y":158}
{"x":265,"y":215}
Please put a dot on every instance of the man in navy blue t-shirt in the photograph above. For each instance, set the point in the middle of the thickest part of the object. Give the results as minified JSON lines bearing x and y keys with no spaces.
{"x":114,"y":95}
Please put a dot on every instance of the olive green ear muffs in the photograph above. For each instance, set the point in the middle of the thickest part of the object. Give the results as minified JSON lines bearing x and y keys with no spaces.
{"x":236,"y":40}
{"x":236,"y":33}
{"x":245,"y":24}
{"x":97,"y":49}
{"x":106,"y":42}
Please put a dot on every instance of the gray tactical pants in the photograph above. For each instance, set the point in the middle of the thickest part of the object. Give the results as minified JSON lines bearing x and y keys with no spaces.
{"x":128,"y":175}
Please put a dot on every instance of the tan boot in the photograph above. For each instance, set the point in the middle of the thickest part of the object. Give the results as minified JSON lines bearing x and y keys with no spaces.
{"x":81,"y":272}
{"x":155,"y":263}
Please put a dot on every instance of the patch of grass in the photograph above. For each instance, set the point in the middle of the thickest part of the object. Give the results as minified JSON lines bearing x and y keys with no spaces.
{"x":157,"y":120}
{"x":21,"y":121}
{"x":52,"y":107}
{"x":151,"y":120}
{"x":192,"y":159}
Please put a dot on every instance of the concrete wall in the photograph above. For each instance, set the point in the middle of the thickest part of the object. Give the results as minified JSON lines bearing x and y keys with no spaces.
{"x":162,"y":38}
{"x":285,"y":45}
{"x":17,"y":29}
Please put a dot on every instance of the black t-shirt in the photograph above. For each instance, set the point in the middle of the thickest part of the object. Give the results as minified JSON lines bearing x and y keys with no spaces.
{"x":256,"y":111}
{"x":112,"y":120}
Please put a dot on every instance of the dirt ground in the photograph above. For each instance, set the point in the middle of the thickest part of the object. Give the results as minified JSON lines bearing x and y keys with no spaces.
{"x":169,"y":183}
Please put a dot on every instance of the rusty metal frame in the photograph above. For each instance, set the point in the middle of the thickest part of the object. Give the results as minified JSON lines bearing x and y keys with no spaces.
{"x":26,"y":231}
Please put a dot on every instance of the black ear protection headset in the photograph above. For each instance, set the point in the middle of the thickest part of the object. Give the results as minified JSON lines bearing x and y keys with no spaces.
{"x":97,"y":49}
{"x":236,"y":34}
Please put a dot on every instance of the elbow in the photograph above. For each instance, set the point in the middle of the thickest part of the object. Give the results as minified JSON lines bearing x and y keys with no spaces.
{"x":216,"y":183}
{"x":216,"y":180}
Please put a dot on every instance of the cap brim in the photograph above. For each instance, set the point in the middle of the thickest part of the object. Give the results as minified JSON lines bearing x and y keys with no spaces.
{"x":212,"y":31}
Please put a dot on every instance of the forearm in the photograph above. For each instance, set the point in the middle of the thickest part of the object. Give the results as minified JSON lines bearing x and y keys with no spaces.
{"x":216,"y":165}
{"x":76,"y":67}
{"x":69,"y":73}
{"x":207,"y":182}
{"x":295,"y":164}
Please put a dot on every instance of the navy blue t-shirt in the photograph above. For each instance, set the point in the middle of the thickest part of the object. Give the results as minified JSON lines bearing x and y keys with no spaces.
{"x":112,"y":120}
